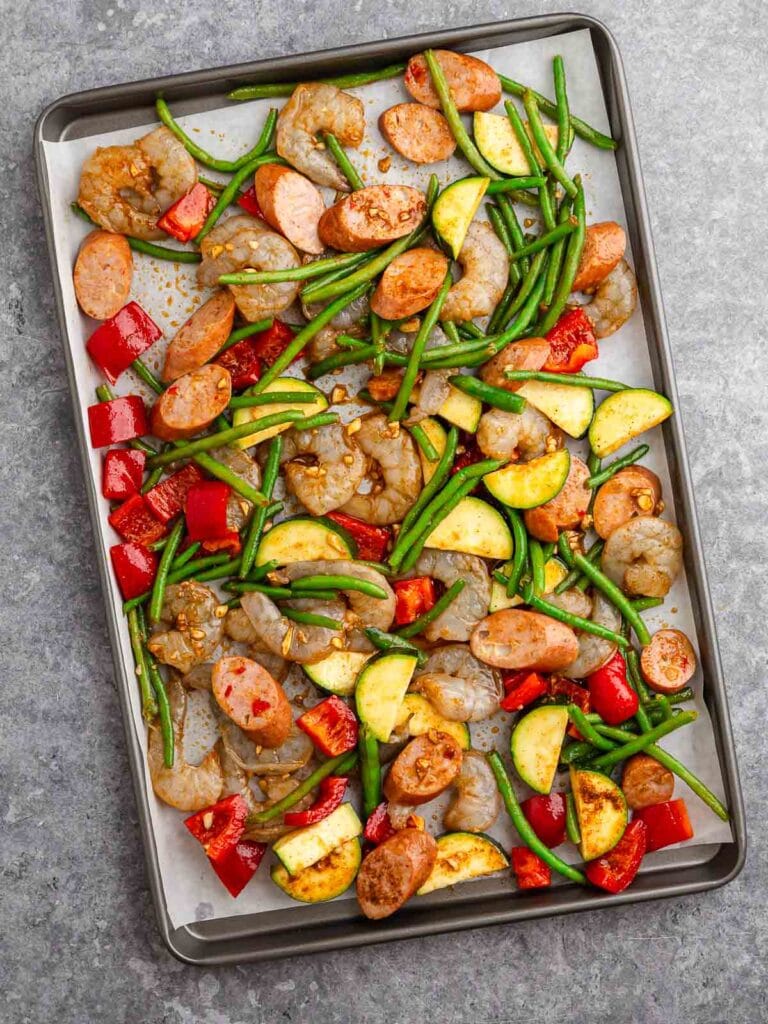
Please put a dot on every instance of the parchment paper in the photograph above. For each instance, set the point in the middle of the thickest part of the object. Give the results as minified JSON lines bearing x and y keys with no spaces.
{"x":169,"y":294}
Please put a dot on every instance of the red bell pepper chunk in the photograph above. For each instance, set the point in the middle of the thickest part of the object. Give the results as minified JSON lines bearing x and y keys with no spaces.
{"x":134,"y":521}
{"x":243,"y":362}
{"x":573,"y":694}
{"x":115,"y":344}
{"x":523,"y":688}
{"x":468,"y":453}
{"x":135,"y":568}
{"x":615,"y":870}
{"x":378,"y":827}
{"x":230,"y":543}
{"x":572,"y":343}
{"x":220,"y":827}
{"x":122,"y":473}
{"x":530,"y":871}
{"x":250,"y":203}
{"x":372,"y":541}
{"x":206,"y":510}
{"x":546,"y":816}
{"x":414,"y":598}
{"x":237,"y":868}
{"x":120,"y":419}
{"x":273,"y":342}
{"x":610,"y":694}
{"x":187,"y":216}
{"x":331,"y":726}
{"x":330,"y":795}
{"x":667,"y":823}
{"x":167,"y":498}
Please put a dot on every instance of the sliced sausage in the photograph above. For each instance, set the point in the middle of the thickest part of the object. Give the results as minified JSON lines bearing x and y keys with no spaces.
{"x":418,"y":133}
{"x":474,"y":84}
{"x":192,"y":402}
{"x":409,"y":284}
{"x":394,"y":870}
{"x":423,"y":769}
{"x":372,"y":217}
{"x":103,"y":273}
{"x":565,"y":510}
{"x":604,"y":245}
{"x":634,"y":491}
{"x":291,"y":204}
{"x":646,"y":782}
{"x":526,"y":354}
{"x":255,"y":702}
{"x":201,"y":337}
{"x":520,"y":639}
{"x":668,"y":662}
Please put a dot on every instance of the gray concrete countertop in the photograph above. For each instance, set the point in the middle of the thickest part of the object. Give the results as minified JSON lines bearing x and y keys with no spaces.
{"x":79,"y":944}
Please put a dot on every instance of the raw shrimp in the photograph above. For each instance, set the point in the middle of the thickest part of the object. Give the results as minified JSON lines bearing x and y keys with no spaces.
{"x":394,"y":471}
{"x":241,"y":242}
{"x":477,"y":803}
{"x":644,"y":556}
{"x":237,"y":626}
{"x":291,"y":755}
{"x":345,"y":319}
{"x":485,"y":263}
{"x":248,"y":469}
{"x":314,"y":108}
{"x":274,"y":789}
{"x":197,"y":619}
{"x":323,"y":467}
{"x":294,"y":641}
{"x":185,"y":786}
{"x":614,"y":302}
{"x":465,"y":611}
{"x":517,"y":435}
{"x":126,"y":188}
{"x":573,"y":600}
{"x":459,"y":687}
{"x":594,"y":651}
{"x":433,"y":392}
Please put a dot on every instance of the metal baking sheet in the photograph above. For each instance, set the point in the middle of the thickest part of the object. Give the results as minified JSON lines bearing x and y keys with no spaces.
{"x":327,"y":926}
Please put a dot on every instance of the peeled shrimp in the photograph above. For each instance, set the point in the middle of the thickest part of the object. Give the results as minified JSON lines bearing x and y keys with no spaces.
{"x":294,"y":641}
{"x":241,"y":242}
{"x":485,"y":263}
{"x":185,"y":786}
{"x":324,"y":467}
{"x":433,"y":391}
{"x":126,"y":188}
{"x":644,"y":556}
{"x":283,"y":760}
{"x":465,"y":611}
{"x":394,"y":471}
{"x":193,"y":612}
{"x":517,"y":435}
{"x":594,"y":651}
{"x":312,"y":109}
{"x":458,"y":686}
{"x":345,"y":319}
{"x":572,"y":600}
{"x":614,"y":302}
{"x":477,"y":803}
{"x":275,"y":788}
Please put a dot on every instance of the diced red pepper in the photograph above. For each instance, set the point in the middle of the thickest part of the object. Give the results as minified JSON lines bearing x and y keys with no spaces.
{"x":530,"y":870}
{"x":573,"y":694}
{"x":134,"y":521}
{"x":122,"y":473}
{"x":378,"y":827}
{"x":610,"y":694}
{"x":115,"y":344}
{"x":220,"y":827}
{"x":414,"y":597}
{"x":206,"y":510}
{"x":238,"y":867}
{"x":615,"y":870}
{"x":135,"y":568}
{"x":522,"y":689}
{"x":667,"y":823}
{"x":331,"y":726}
{"x":250,"y":203}
{"x":372,"y":541}
{"x":167,"y":498}
{"x":468,"y":454}
{"x":187,"y":216}
{"x":120,"y":419}
{"x":546,"y":816}
{"x":330,"y":795}
{"x":230,"y":543}
{"x":572,"y":343}
{"x":273,"y":342}
{"x":243,"y":362}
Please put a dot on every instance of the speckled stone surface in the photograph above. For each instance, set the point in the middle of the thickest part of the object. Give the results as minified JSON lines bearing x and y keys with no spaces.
{"x":78,"y":943}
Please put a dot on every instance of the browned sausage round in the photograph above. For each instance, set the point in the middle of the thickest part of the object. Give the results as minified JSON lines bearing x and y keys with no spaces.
{"x":645,"y":782}
{"x":256,"y":702}
{"x":526,"y":354}
{"x":668,"y":662}
{"x":409,"y":284}
{"x":103,"y":273}
{"x":634,"y":491}
{"x":418,"y":133}
{"x":513,"y":638}
{"x":474,"y":84}
{"x":394,"y":870}
{"x":565,"y":510}
{"x":604,"y":245}
{"x":192,"y":402}
{"x":423,"y":769}
{"x":372,"y":217}
{"x":291,"y":204}
{"x":201,"y":337}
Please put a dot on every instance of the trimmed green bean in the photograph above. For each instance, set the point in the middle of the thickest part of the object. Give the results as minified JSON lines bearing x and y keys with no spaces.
{"x":451,"y":331}
{"x":507,"y":211}
{"x":345,"y":165}
{"x":520,"y":549}
{"x":570,"y":262}
{"x":576,"y":621}
{"x":163,"y":709}
{"x":577,"y":751}
{"x":420,"y":436}
{"x":341,"y":765}
{"x":545,"y":241}
{"x":572,"y":829}
{"x":310,"y":619}
{"x":587,"y":730}
{"x":536,"y":559}
{"x":556,"y":255}
{"x":509,"y":401}
{"x":563,"y":112}
{"x":202,"y":155}
{"x":219,"y":572}
{"x":545,"y":146}
{"x":575,"y":575}
{"x":259,"y":517}
{"x":564,"y":549}
{"x":352,"y":81}
{"x":316,"y":285}
{"x":574,"y":380}
{"x":417,"y":349}
{"x":142,"y":371}
{"x":370,"y":769}
{"x":613,"y":468}
{"x":229,"y":192}
{"x":638,"y":743}
{"x":136,"y":634}
{"x":272,"y":398}
{"x":317,"y":268}
{"x":163,"y":569}
{"x":188,"y":449}
{"x":186,"y":556}
{"x":514,"y":184}
{"x":329,"y":581}
{"x":420,"y":624}
{"x":524,"y":140}
{"x":159,"y":252}
{"x":581,"y":128}
{"x":614,"y":595}
{"x":388,"y":642}
{"x":500,"y":227}
{"x":226,"y":475}
{"x":641,"y":604}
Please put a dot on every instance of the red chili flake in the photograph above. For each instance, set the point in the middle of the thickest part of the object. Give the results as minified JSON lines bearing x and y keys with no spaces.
{"x":260,"y":705}
{"x":228,"y":690}
{"x":239,"y":670}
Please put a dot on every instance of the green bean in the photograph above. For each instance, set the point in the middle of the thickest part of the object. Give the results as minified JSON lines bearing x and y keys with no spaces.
{"x":641,"y":604}
{"x":276,"y":593}
{"x":500,"y":227}
{"x":570,"y":262}
{"x":536,"y":557}
{"x":520,"y":548}
{"x":152,"y":480}
{"x":141,"y":370}
{"x":524,"y":139}
{"x":529,"y":282}
{"x":228,"y":193}
{"x":163,"y":568}
{"x":309,"y":291}
{"x":614,"y":595}
{"x":613,"y":468}
{"x":548,"y":550}
{"x":441,"y":513}
{"x":163,"y":709}
{"x":522,"y":825}
{"x":564,"y":549}
{"x":136,"y":634}
{"x":587,"y":730}
{"x":635,"y":675}
{"x":572,"y":829}
{"x":188,"y":449}
{"x":497,"y":397}
{"x":219,"y":572}
{"x":576,"y":751}
{"x":272,"y":398}
{"x":451,"y":331}
{"x":508,"y":215}
{"x":317,"y":268}
{"x":259,"y":517}
{"x":420,"y":436}
{"x":420,"y":624}
{"x":320,"y":419}
{"x":575,"y":576}
{"x":310,"y":619}
{"x":637,"y":743}
{"x":574,"y":380}
{"x":341,"y":765}
{"x":205,"y":158}
{"x":581,"y":128}
{"x":351,"y":81}
{"x":469,"y":327}
{"x":329,"y":581}
{"x":545,"y":241}
{"x":370,"y":769}
{"x":499,"y":314}
{"x":389,"y":642}
{"x":576,"y":621}
{"x":186,"y":556}
{"x":563,"y":113}
{"x":343,"y":162}
{"x":224,"y":473}
{"x":341,"y":359}
{"x":514,"y":184}
{"x":417,"y":349}
{"x":160,"y":252}
{"x":556,"y":255}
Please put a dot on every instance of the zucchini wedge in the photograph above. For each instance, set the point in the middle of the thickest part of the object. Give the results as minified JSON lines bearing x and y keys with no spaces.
{"x":497,"y":142}
{"x":326,"y":879}
{"x":464,"y":411}
{"x":454,"y":209}
{"x":420,"y":717}
{"x":381,"y":687}
{"x":338,"y":672}
{"x":529,"y":484}
{"x":461,"y":856}
{"x":601,"y":809}
{"x":281,"y":384}
{"x":569,"y":408}
{"x":304,"y":847}
{"x":474,"y":528}
{"x":303,"y":539}
{"x":535,"y":745}
{"x":625,"y":415}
